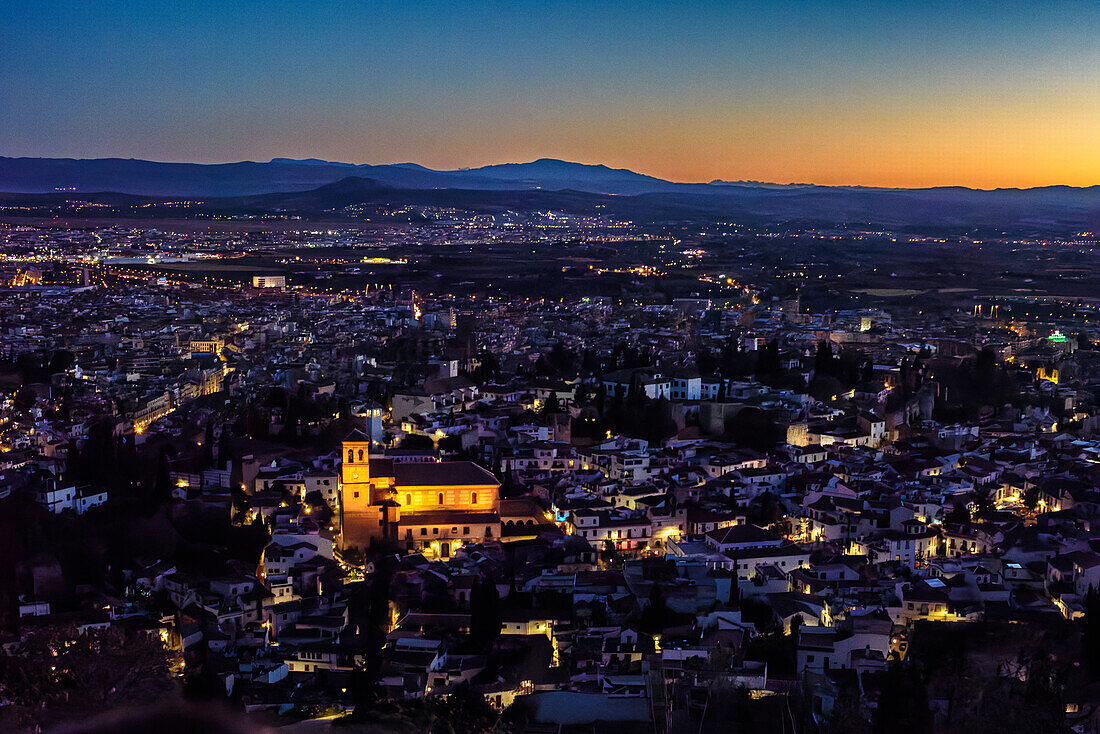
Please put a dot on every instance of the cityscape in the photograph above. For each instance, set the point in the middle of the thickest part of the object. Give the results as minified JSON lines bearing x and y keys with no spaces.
{"x":298,"y":445}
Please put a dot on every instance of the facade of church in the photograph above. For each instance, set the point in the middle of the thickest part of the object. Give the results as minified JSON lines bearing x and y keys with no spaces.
{"x":434,"y":507}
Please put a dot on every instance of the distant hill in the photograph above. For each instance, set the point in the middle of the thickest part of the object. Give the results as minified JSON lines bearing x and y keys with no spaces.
{"x":354,"y":190}
{"x":46,"y":175}
{"x":314,"y":187}
{"x":550,"y":173}
{"x":130,"y":176}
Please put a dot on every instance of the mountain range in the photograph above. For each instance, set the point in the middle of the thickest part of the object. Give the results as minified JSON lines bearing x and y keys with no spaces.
{"x":312,"y":187}
{"x":149,"y":178}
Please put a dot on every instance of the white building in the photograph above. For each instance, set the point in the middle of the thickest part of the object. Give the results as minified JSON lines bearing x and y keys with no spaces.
{"x":269,"y":281}
{"x":77,"y":499}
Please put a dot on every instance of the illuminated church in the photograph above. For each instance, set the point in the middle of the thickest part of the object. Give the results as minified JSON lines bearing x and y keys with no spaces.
{"x":433,"y":507}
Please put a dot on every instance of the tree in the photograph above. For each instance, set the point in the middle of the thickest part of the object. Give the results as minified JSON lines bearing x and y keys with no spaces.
{"x":417,"y":442}
{"x":484,"y":613}
{"x":460,"y":711}
{"x":823,"y":358}
{"x":1090,"y":637}
{"x":552,"y":405}
{"x":208,"y":444}
{"x":1031,"y":496}
{"x":755,"y":429}
{"x":590,"y":363}
{"x":507,"y":482}
{"x":487,"y":369}
{"x":765,"y":509}
{"x":983,"y":502}
{"x":225,"y":450}
{"x":958,"y":514}
{"x":654,"y":616}
{"x":162,"y":484}
{"x":87,"y":672}
{"x":610,"y":555}
{"x":656,"y":421}
{"x":902,"y":703}
{"x":24,"y":399}
{"x":868,"y":371}
{"x":767,"y":359}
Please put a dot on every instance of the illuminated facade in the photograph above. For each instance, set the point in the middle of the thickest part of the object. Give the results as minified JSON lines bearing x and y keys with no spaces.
{"x":428,"y":506}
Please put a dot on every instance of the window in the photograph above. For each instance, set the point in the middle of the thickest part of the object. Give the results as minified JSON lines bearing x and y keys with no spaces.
{"x":435,"y":531}
{"x":360,"y":454}
{"x":440,"y":498}
{"x":473,"y":498}
{"x":424,"y":531}
{"x":351,"y":456}
{"x":488,"y":531}
{"x":466,"y":531}
{"x":357,"y":495}
{"x":408,"y":499}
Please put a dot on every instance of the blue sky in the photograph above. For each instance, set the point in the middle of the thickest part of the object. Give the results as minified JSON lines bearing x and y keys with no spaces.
{"x":885,"y":93}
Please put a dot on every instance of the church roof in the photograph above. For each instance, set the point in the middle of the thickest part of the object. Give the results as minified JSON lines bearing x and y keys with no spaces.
{"x":380,"y":467}
{"x":441,"y":474}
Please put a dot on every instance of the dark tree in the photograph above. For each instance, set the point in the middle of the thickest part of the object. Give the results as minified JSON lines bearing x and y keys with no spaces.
{"x":162,"y":483}
{"x":1090,"y":637}
{"x":902,"y":703}
{"x":983,"y":503}
{"x":1031,"y":497}
{"x":208,"y":445}
{"x":484,"y":613}
{"x":655,"y":614}
{"x":767,"y":359}
{"x":823,"y":359}
{"x":552,"y":405}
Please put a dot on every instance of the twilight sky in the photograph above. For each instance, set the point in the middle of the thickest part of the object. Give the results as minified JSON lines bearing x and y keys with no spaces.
{"x":890,"y":93}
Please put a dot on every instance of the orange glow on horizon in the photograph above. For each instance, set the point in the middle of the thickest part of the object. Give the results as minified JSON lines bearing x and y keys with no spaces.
{"x":910,"y":143}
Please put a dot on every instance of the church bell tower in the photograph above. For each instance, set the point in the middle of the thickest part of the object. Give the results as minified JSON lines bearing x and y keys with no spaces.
{"x":359,"y":518}
{"x":355,"y":466}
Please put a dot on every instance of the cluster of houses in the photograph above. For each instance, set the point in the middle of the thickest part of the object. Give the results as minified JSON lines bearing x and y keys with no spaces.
{"x":474,"y":532}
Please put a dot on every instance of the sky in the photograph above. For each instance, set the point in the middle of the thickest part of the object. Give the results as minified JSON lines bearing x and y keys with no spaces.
{"x":890,"y":93}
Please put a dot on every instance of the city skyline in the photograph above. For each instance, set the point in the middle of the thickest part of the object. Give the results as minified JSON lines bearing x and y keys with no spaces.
{"x":836,"y":94}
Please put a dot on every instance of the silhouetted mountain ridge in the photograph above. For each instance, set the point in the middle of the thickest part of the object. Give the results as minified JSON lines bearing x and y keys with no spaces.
{"x":314,"y":188}
{"x":133,"y":176}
